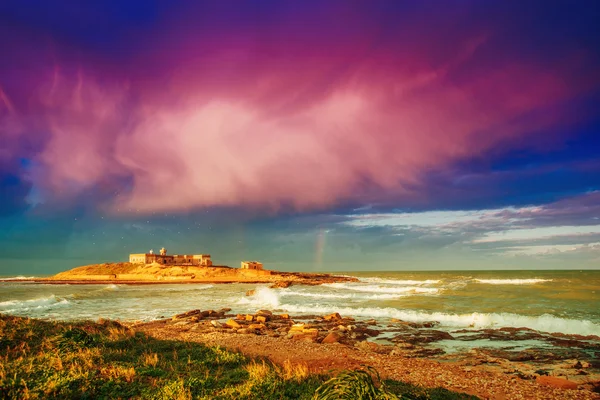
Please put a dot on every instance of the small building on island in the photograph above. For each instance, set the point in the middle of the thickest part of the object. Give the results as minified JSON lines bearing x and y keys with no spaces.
{"x":175,"y":259}
{"x":251,"y":265}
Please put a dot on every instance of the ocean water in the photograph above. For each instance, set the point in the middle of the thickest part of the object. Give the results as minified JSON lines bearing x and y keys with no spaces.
{"x":547,"y":301}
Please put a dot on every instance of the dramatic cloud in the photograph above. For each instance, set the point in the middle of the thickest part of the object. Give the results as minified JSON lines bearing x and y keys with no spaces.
{"x":282,"y":117}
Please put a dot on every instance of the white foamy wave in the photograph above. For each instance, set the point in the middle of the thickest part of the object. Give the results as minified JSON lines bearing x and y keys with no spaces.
{"x":286,"y":292}
{"x":384,"y":289}
{"x":400,"y":281}
{"x":18,"y":278}
{"x":262,"y":297}
{"x":512,"y":281}
{"x":543,"y":323}
{"x":33,"y":304}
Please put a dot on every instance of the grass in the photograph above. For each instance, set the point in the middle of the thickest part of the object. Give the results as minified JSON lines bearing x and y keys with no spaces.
{"x":86,"y":360}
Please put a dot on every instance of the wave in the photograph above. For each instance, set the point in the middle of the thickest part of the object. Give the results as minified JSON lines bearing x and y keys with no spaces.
{"x":17,"y":278}
{"x":384,"y":289}
{"x":543,"y":323}
{"x":33,"y":304}
{"x":400,"y":281}
{"x":512,"y":281}
{"x":285,"y":292}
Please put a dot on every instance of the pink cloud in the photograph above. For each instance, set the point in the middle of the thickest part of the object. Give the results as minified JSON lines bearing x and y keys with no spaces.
{"x":266,"y":124}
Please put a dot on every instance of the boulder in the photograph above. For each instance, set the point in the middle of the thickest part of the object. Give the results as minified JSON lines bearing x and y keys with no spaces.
{"x":332,"y":337}
{"x":249,"y":318}
{"x":261,"y":319}
{"x":307,"y":335}
{"x":556,"y":382}
{"x":233,"y":324}
{"x":332,"y":317}
{"x":188,"y":314}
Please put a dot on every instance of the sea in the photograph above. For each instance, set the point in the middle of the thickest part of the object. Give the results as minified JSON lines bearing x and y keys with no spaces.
{"x":558,"y":302}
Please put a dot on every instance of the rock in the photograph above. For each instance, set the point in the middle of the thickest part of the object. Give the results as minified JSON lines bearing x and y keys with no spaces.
{"x":553,"y":381}
{"x":284,"y":316}
{"x":332,"y":337}
{"x":233,"y":324}
{"x":225,"y":309}
{"x":332,"y":317}
{"x":249,"y":318}
{"x":307,"y":335}
{"x":367,"y":346}
{"x":240,"y":317}
{"x":371,"y":322}
{"x":261,"y":319}
{"x":242,"y":331}
{"x":264,"y":313}
{"x":281,"y":284}
{"x":250,"y":292}
{"x":297,"y":327}
{"x":367,"y":331}
{"x":216,"y":324}
{"x":187,"y":315}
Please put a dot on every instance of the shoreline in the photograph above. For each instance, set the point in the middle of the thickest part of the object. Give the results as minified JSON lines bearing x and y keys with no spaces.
{"x":321,"y":343}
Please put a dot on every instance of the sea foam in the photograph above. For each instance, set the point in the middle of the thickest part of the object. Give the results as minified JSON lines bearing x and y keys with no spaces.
{"x":512,"y":281}
{"x":544,"y":323}
{"x":17,"y":278}
{"x":384,"y":289}
{"x":33,"y":304}
{"x":383,"y":281}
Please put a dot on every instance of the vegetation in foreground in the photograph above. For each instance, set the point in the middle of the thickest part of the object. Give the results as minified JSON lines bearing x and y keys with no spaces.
{"x":86,"y":360}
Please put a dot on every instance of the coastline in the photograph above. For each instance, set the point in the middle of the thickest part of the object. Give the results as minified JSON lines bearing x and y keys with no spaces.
{"x":318,"y":342}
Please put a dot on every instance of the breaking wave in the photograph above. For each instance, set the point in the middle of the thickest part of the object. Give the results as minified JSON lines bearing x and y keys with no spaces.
{"x":33,"y":304}
{"x":340,"y":296}
{"x":383,"y":281}
{"x":543,"y":323}
{"x":17,"y":278}
{"x":512,"y":281}
{"x":384,"y":289}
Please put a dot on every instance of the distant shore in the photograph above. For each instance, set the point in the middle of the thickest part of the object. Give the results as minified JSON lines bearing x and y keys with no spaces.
{"x":144,"y":274}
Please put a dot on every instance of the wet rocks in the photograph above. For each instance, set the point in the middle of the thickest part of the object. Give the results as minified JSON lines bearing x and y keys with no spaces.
{"x":422,"y":336}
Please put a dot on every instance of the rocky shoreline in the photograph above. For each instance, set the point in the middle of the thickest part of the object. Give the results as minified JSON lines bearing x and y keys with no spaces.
{"x":567,"y":369}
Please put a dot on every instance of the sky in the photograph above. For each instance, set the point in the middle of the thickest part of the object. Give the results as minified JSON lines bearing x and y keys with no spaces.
{"x":314,"y":135}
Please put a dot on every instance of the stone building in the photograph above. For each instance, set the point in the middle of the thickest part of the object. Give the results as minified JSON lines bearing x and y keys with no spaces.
{"x":251,"y":265}
{"x":175,"y":259}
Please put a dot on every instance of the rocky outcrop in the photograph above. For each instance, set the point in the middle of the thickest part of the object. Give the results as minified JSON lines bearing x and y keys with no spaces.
{"x":157,"y":273}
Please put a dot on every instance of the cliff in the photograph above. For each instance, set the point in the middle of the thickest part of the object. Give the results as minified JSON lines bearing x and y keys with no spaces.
{"x":157,"y":273}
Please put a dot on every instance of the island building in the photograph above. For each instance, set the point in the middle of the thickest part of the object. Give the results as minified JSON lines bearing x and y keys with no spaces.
{"x":175,"y":259}
{"x":251,"y":265}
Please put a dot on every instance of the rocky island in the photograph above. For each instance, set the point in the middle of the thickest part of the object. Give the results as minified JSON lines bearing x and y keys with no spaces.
{"x":198,"y":268}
